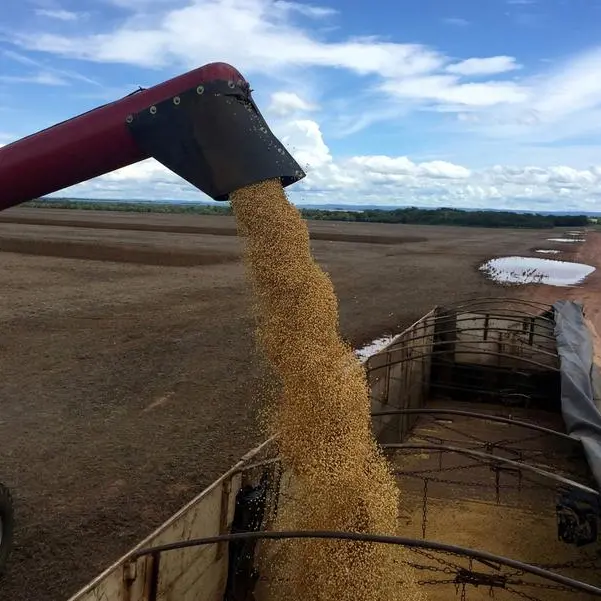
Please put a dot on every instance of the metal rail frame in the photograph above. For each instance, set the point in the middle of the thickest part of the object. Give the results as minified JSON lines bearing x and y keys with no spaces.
{"x":475,"y":329}
{"x":482,"y":556}
{"x":478,"y":415}
{"x":437,"y":343}
{"x":481,"y":352}
{"x":410,"y":446}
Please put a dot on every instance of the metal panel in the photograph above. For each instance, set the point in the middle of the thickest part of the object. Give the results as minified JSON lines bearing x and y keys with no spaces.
{"x":196,"y":573}
{"x":397,"y":381}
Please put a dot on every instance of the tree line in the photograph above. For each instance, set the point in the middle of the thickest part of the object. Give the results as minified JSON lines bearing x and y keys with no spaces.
{"x":409,"y":215}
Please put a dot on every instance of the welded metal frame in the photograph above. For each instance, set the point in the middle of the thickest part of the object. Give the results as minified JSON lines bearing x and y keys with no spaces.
{"x":393,"y":348}
{"x":454,"y":341}
{"x":446,"y":352}
{"x":503,"y":301}
{"x":480,"y":416}
{"x":490,"y":560}
{"x":493,"y":459}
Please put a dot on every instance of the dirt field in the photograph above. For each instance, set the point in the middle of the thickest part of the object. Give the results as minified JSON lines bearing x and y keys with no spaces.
{"x":128,"y":377}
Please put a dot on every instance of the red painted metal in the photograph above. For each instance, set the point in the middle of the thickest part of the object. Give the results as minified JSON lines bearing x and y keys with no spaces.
{"x":92,"y":144}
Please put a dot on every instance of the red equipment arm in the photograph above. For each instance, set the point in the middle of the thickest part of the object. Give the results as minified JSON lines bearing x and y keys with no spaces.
{"x":181,"y":134}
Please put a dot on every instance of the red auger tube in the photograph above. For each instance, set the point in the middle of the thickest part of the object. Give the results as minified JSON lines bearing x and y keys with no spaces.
{"x":92,"y":144}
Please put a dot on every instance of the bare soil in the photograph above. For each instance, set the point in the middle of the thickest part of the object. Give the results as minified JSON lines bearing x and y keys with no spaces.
{"x":129,"y":378}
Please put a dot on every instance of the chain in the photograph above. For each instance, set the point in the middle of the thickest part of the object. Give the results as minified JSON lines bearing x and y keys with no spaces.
{"x":507,"y":582}
{"x":464,"y":483}
{"x":417,"y":566}
{"x":435,"y":582}
{"x":439,"y":560}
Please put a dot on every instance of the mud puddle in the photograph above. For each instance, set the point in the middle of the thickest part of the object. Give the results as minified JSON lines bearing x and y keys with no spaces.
{"x":373,"y":347}
{"x":532,"y":270}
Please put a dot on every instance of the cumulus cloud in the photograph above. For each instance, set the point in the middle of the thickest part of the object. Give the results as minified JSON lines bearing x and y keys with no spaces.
{"x":484,"y":66}
{"x":307,"y":10}
{"x":403,"y":166}
{"x":271,"y":41}
{"x":286,"y":103}
{"x":446,"y":89}
{"x":480,"y":101}
{"x":379,"y":179}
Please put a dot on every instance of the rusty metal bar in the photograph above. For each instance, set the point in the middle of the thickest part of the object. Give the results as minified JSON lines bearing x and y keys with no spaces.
{"x":400,"y":343}
{"x":492,"y":459}
{"x":411,"y":543}
{"x":480,"y":352}
{"x":500,"y":300}
{"x":478,"y":415}
{"x":516,"y":315}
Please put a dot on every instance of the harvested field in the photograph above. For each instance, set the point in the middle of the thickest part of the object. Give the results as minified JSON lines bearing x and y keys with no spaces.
{"x":127,"y":386}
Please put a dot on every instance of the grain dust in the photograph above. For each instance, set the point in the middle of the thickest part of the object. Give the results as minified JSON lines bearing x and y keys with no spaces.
{"x":339,"y":478}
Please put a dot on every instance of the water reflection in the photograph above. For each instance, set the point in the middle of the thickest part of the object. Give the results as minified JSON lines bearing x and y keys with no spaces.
{"x":532,"y":270}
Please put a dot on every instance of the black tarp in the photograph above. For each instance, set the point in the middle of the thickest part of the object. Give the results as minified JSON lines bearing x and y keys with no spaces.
{"x":580,"y":405}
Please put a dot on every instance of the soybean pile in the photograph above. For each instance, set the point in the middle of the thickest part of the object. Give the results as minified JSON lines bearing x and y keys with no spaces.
{"x":339,"y":479}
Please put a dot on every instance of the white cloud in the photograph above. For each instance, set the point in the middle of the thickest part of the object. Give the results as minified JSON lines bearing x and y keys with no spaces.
{"x":575,"y":86}
{"x":307,"y":10}
{"x":402,"y":166}
{"x":276,"y":46}
{"x":380,"y":179}
{"x":480,"y":103}
{"x":60,"y":15}
{"x":42,"y":78}
{"x":446,"y":89}
{"x":286,"y":103}
{"x":60,"y":73}
{"x":560,"y":104}
{"x":484,"y":66}
{"x":271,"y":41}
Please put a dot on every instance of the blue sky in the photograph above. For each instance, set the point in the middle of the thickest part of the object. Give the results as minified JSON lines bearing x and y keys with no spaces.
{"x":491,"y":103}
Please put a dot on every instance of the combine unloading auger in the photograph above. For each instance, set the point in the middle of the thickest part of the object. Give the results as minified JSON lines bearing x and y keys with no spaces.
{"x":203,"y":125}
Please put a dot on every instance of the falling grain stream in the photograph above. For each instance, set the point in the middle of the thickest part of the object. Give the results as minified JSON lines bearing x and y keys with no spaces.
{"x":340,"y":479}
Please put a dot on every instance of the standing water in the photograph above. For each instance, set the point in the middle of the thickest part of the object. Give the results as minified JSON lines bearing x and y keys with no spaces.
{"x":532,"y":270}
{"x":339,"y":478}
{"x":373,"y":347}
